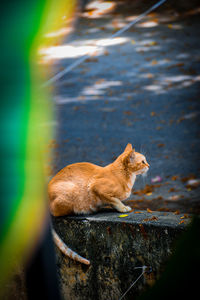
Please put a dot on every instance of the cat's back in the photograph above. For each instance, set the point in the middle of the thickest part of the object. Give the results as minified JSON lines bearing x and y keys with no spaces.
{"x":77,"y":171}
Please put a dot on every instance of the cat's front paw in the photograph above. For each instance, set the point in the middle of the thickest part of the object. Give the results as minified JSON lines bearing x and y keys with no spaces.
{"x":126,"y":209}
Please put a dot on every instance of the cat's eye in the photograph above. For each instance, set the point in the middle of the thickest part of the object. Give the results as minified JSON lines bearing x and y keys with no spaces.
{"x":143,"y":162}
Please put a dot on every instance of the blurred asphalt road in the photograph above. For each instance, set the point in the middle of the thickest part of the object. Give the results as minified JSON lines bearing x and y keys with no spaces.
{"x":141,"y":88}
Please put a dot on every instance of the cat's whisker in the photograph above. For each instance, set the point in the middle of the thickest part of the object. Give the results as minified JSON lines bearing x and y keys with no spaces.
{"x":143,"y":150}
{"x":144,"y":175}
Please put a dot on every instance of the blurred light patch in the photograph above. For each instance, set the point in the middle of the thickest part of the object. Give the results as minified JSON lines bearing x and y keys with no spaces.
{"x":178,"y":78}
{"x":99,"y":88}
{"x":175,"y":26}
{"x":147,"y":24}
{"x":153,"y":88}
{"x":66,"y":51}
{"x":76,"y":50}
{"x":111,"y":42}
{"x":96,"y":9}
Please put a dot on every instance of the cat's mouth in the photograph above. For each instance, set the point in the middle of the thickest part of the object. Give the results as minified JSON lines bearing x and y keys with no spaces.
{"x":145,"y":170}
{"x":142,"y":171}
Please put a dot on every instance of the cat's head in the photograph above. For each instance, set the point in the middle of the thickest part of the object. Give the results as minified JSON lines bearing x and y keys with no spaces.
{"x":134,"y":161}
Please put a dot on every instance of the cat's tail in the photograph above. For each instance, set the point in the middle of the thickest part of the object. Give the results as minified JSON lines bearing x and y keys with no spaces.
{"x":67,"y":251}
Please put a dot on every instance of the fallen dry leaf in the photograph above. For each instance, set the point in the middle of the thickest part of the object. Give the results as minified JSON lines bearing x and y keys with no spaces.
{"x":193,"y":183}
{"x":171,"y":190}
{"x":158,"y":128}
{"x":154,"y":62}
{"x":161,"y":145}
{"x":106,"y":53}
{"x":91,"y":59}
{"x":178,"y":65}
{"x":185,"y":216}
{"x":153,"y":218}
{"x":174,"y":197}
{"x":149,"y":210}
{"x":153,"y":43}
{"x":99,"y":81}
{"x":149,"y":188}
{"x":186,"y":178}
{"x":149,"y":193}
{"x":155,"y":20}
{"x":128,"y":112}
{"x":149,"y":75}
{"x":181,"y":222}
{"x":175,"y":177}
{"x":122,"y":216}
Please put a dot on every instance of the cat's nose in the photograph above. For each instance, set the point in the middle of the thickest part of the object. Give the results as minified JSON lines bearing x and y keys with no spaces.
{"x":147,"y":165}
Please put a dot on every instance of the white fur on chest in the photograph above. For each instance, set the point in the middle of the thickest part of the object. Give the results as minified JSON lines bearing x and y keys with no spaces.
{"x":130,"y":185}
{"x":131,"y":181}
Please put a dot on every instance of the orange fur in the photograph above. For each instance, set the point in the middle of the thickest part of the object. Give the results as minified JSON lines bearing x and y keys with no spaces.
{"x":67,"y":251}
{"x":84,"y":187}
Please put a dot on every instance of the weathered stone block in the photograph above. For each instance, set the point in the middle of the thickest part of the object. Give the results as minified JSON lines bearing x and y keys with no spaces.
{"x":115,"y":246}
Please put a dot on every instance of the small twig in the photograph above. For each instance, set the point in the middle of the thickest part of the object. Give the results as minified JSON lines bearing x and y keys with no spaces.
{"x":143,"y":271}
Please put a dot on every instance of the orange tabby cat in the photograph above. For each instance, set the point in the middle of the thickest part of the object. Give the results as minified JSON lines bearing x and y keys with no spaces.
{"x":83,"y":188}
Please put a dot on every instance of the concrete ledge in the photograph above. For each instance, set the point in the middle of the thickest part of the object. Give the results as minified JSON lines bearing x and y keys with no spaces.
{"x":115,"y":245}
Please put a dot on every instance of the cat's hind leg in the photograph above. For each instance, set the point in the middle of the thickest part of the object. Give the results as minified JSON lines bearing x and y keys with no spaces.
{"x":61,"y":198}
{"x":59,"y":207}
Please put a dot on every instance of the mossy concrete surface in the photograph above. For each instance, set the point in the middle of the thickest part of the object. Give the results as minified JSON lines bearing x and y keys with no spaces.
{"x":115,"y":244}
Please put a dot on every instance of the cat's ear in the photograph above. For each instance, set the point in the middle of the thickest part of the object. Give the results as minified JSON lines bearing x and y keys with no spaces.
{"x":128,"y":147}
{"x":129,"y":157}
